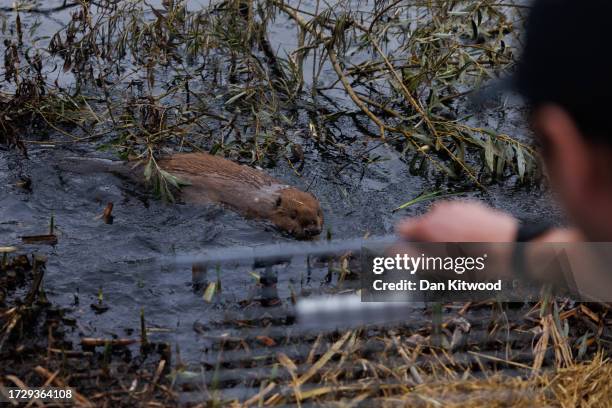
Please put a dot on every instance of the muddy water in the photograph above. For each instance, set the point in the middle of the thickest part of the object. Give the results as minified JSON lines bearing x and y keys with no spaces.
{"x":358,"y":197}
{"x":117,"y":259}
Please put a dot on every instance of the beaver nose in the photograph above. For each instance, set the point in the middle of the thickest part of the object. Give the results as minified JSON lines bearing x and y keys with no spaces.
{"x":312,"y":231}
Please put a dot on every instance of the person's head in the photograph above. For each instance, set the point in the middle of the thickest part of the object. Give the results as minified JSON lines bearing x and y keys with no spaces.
{"x":565,"y":74}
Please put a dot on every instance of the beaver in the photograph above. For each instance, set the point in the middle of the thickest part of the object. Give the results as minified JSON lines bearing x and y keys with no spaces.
{"x":248,"y":191}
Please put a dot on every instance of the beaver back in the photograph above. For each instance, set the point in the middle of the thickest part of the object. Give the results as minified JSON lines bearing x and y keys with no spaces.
{"x":215,"y":179}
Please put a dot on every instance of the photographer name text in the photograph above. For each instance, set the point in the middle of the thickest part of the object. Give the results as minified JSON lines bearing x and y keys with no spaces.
{"x":425,"y":285}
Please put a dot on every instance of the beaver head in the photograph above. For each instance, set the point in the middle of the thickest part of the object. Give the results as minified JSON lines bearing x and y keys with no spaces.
{"x":298,"y":213}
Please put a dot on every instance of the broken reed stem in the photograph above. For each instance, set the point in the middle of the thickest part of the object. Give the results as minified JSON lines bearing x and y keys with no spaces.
{"x":46,"y":374}
{"x":143,"y":329}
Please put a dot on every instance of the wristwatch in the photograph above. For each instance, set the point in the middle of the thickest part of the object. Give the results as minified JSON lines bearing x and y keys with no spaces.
{"x":527,"y":232}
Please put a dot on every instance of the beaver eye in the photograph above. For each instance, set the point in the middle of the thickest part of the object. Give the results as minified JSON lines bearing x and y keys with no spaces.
{"x":294,"y":215}
{"x":279,"y":201}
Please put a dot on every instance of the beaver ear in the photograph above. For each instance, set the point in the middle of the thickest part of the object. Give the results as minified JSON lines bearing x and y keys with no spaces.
{"x":279,"y":201}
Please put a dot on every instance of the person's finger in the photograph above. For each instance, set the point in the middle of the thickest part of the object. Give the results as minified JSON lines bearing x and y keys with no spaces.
{"x":410,"y":228}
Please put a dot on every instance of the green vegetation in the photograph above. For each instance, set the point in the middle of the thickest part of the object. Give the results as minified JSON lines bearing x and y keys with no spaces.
{"x":140,"y":79}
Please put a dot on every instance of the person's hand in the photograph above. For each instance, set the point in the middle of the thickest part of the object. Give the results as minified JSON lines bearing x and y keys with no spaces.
{"x":460,"y":221}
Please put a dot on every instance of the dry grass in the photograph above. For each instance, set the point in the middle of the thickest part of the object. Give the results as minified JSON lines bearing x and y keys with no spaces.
{"x":582,"y":385}
{"x":552,"y":355}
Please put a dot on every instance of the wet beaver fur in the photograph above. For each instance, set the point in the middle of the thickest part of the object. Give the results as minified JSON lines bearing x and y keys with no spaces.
{"x":212,"y":179}
{"x":246,"y":190}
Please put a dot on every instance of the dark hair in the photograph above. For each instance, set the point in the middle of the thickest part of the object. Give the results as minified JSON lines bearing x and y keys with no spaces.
{"x":567,"y":61}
